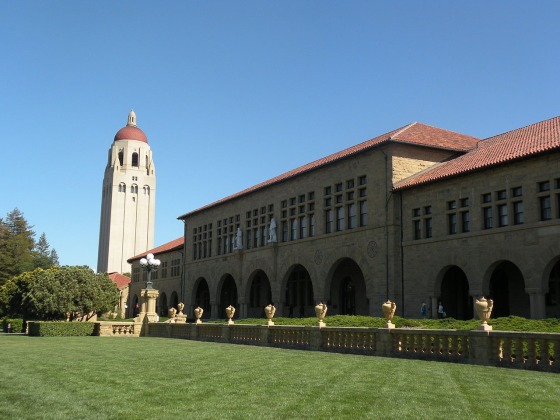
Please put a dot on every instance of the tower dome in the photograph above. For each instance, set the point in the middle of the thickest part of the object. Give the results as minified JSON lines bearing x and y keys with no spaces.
{"x":131,"y":131}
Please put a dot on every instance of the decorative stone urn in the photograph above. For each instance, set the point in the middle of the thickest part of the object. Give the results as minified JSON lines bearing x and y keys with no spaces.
{"x":230,"y":311}
{"x":269,"y":311}
{"x":320,"y":313}
{"x":388,"y":309}
{"x":198,"y":314}
{"x":181,"y":318}
{"x":484,"y":310}
{"x":172,"y":312}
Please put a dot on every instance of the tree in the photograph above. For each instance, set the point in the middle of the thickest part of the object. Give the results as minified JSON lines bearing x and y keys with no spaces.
{"x":18,"y":250}
{"x":55,"y":291}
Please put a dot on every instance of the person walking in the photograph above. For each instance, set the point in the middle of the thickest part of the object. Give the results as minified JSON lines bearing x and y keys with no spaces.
{"x":440,"y":311}
{"x":424,"y":310}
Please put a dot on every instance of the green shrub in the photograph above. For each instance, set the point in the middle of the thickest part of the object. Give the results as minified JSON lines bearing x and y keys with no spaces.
{"x":17,"y":324}
{"x":61,"y":329}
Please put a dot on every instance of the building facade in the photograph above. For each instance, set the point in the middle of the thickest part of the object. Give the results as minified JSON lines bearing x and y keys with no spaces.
{"x":128,"y":200}
{"x":418,"y":214}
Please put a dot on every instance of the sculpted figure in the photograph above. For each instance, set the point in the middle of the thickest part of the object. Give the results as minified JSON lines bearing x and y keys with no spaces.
{"x":272,"y":231}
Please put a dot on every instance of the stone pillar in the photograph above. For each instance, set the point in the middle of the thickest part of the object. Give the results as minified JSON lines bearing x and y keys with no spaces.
{"x":434,"y":307}
{"x":150,"y":296}
{"x":383,"y":342}
{"x":242,"y":309}
{"x":216,"y":313}
{"x":537,"y":303}
{"x":480,"y":348}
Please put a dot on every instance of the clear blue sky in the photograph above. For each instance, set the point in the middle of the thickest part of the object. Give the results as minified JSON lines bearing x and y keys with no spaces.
{"x":231,"y":93}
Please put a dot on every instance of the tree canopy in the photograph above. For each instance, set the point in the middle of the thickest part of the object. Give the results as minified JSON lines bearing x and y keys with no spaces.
{"x":51,"y":293}
{"x":19,"y":252}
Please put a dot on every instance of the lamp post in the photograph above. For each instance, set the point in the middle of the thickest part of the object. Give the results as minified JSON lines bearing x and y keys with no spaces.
{"x":150,"y":264}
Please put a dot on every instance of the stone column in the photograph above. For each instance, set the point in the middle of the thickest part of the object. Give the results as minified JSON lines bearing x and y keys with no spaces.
{"x":434,"y":307}
{"x":537,"y":303}
{"x":216,"y":313}
{"x":150,"y":296}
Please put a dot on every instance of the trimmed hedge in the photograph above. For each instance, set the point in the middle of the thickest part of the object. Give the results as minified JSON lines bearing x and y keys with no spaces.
{"x":17,"y":324}
{"x":61,"y":329}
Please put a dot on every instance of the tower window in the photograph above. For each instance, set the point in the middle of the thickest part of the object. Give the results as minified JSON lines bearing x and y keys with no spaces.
{"x":135,"y":159}
{"x":121,"y":157}
{"x":122,"y":187}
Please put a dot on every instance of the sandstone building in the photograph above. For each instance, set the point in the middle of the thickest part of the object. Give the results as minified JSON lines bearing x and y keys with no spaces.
{"x":419,"y":214}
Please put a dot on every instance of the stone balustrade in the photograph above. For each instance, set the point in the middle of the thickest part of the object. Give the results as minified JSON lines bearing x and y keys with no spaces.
{"x":118,"y":329}
{"x":537,"y":351}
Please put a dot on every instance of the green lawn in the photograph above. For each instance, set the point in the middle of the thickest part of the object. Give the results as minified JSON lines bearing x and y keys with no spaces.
{"x":153,"y":378}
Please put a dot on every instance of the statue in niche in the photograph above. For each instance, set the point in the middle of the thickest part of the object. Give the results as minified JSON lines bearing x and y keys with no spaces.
{"x":272,"y":238}
{"x":238,"y":244}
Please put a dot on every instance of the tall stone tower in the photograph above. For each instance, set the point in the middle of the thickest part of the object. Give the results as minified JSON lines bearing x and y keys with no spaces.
{"x":128,"y":200}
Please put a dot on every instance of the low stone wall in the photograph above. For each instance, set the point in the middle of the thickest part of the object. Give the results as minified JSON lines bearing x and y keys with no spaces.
{"x":118,"y":329}
{"x":537,"y":351}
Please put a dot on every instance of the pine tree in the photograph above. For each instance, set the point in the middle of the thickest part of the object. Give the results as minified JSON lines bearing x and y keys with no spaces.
{"x":42,"y":257}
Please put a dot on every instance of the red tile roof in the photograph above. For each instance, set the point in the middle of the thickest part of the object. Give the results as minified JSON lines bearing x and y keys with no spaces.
{"x":169,"y":246}
{"x":131,"y":133}
{"x":119,"y":279}
{"x":517,"y":144}
{"x":415,"y":133}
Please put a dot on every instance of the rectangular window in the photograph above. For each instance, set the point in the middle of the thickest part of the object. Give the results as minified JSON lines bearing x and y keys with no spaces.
{"x":351,"y":216}
{"x":465,"y":202}
{"x":517,"y":192}
{"x":545,"y":207}
{"x":428,"y":210}
{"x":518,"y":213}
{"x":501,"y":195}
{"x":428,"y":227}
{"x":451,"y":205}
{"x":465,"y":221}
{"x":293,"y":229}
{"x":339,"y":218}
{"x":416,"y":213}
{"x":417,"y":230}
{"x":328,"y":221}
{"x":544,"y":186}
{"x":487,"y":217}
{"x":303,"y":227}
{"x":452,"y":222}
{"x":256,"y":237}
{"x":284,"y":231}
{"x":248,"y":235}
{"x":502,"y":215}
{"x":363,"y":213}
{"x":487,"y":198}
{"x":311,"y":225}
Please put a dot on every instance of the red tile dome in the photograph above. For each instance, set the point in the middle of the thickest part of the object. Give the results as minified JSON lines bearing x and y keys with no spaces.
{"x":131,"y":133}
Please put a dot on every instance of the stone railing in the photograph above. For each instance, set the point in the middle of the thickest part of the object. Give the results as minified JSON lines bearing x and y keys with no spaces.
{"x":538,"y":351}
{"x":118,"y":329}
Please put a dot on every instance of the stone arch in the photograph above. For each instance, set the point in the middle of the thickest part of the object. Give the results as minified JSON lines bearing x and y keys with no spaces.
{"x":174,"y":300}
{"x":227,"y":292}
{"x":201,"y":293}
{"x":504,"y":283}
{"x":135,"y":305}
{"x":258,"y":294}
{"x":551,"y":285}
{"x":347,"y":289}
{"x":298,"y":292}
{"x":161,"y":304}
{"x":453,"y":293}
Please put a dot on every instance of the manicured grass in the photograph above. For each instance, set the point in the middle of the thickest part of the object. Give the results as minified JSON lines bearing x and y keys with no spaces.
{"x":153,"y":378}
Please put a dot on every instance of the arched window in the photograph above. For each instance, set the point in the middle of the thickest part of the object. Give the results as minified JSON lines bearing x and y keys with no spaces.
{"x":134,"y":189}
{"x":122,"y":187}
{"x":135,"y":159}
{"x":121,"y":157}
{"x":146,"y":190}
